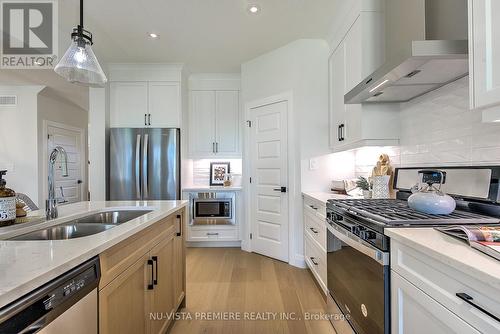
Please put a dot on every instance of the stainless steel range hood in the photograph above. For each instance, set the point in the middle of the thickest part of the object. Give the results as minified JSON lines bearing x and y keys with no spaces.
{"x":425,"y":48}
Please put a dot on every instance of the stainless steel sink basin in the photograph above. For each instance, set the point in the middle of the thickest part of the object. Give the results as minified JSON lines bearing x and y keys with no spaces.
{"x":84,"y":226}
{"x":110,"y":217}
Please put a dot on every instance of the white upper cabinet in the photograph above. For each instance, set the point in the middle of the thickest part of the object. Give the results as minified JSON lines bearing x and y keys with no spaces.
{"x":214,"y":124}
{"x":145,"y":95}
{"x":165,"y":104}
{"x":227,"y":123}
{"x":128,"y":104}
{"x":145,"y":104}
{"x":484,"y":57}
{"x":337,"y":87}
{"x":202,"y":124}
{"x":359,"y":53}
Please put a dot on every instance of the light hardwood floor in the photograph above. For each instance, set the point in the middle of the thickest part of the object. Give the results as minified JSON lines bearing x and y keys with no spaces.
{"x":230,"y":280}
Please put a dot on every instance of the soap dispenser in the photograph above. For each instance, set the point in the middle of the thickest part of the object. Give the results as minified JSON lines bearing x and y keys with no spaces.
{"x":7,"y":202}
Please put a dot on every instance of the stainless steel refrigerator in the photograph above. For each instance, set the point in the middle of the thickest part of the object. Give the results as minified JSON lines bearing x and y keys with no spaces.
{"x":144,"y":164}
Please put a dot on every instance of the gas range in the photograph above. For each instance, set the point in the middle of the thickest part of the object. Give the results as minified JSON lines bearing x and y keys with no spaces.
{"x":396,"y":213}
{"x":358,"y":251}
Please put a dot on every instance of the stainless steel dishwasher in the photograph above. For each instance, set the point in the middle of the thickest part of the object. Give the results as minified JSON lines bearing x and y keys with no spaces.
{"x":67,"y":304}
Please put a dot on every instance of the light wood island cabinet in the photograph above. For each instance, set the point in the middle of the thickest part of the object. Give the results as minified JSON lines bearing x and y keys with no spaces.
{"x":143,"y":279}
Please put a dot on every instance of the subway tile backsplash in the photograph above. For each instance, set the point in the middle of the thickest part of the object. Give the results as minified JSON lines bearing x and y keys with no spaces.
{"x":201,"y":169}
{"x":439,"y":129}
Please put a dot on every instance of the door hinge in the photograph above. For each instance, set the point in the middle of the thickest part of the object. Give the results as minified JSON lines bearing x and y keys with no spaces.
{"x":249,"y":124}
{"x":251,"y":235}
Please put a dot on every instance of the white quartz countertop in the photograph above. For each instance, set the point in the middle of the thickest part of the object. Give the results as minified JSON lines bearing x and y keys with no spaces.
{"x":451,"y":251}
{"x":26,"y":265}
{"x":324,"y":196}
{"x":208,"y":188}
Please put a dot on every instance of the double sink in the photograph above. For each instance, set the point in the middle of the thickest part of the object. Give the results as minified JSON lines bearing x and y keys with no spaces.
{"x":84,"y":226}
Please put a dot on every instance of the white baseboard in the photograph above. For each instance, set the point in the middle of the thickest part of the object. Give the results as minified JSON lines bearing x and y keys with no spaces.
{"x":298,"y":261}
{"x":214,"y":244}
{"x":246,"y":246}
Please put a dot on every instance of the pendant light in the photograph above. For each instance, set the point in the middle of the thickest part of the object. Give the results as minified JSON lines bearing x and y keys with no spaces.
{"x":79,"y":64}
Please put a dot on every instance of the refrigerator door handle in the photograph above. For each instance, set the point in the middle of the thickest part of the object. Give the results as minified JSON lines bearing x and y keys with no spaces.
{"x":137,"y":167}
{"x":145,"y":177}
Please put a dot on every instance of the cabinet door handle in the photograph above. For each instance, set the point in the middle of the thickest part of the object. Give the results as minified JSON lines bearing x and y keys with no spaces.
{"x":149,"y":119}
{"x":151,"y":285}
{"x":313,"y":207}
{"x":213,"y":147}
{"x":338,"y":133}
{"x":342,"y":132}
{"x":314,"y":230}
{"x":212,"y":233}
{"x":216,"y":147}
{"x":469,"y":300}
{"x":155,"y":277}
{"x":145,"y":119}
{"x":179,"y":226}
{"x":313,"y":260}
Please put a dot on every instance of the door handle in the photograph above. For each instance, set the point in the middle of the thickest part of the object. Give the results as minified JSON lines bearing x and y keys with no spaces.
{"x":342,"y":128}
{"x":338,"y":133}
{"x":145,"y":119}
{"x":469,"y":300}
{"x":213,"y":147}
{"x":138,"y":167}
{"x":282,"y":189}
{"x":155,"y":277}
{"x":151,"y":285}
{"x":216,"y":147}
{"x":313,"y":260}
{"x":145,"y":176}
{"x":149,"y":119}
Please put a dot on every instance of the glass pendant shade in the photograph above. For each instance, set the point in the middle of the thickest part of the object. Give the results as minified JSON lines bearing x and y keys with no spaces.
{"x":79,"y":65}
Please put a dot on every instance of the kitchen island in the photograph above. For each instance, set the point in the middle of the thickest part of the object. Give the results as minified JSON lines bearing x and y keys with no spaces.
{"x":124,"y":250}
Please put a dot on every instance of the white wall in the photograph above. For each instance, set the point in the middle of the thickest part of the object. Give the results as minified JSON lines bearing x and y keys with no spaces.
{"x":97,"y":143}
{"x":301,"y":68}
{"x":52,"y":108}
{"x":18,"y":140}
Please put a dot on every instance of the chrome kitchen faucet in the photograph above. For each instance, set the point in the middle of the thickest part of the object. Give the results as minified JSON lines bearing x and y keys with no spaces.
{"x":51,"y":203}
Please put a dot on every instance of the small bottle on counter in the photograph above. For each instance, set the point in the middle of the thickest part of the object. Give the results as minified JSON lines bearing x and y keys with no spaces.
{"x":7,"y":202}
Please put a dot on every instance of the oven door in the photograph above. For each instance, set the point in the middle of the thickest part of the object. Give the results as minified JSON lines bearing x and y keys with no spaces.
{"x":213,"y":208}
{"x":358,"y":281}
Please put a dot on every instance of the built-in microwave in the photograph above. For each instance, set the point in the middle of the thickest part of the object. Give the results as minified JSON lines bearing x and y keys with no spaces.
{"x":213,"y":210}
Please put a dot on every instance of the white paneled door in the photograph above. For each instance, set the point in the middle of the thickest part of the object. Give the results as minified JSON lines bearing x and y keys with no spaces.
{"x":268,"y":142}
{"x":72,"y":186}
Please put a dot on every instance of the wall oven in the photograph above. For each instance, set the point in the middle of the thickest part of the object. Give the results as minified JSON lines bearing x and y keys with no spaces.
{"x":358,"y":273}
{"x":213,"y":209}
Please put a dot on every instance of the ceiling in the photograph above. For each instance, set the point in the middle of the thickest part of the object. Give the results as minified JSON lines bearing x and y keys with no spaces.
{"x":206,"y":35}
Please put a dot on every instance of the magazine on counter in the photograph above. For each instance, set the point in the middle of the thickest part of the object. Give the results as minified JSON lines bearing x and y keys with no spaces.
{"x":483,"y":238}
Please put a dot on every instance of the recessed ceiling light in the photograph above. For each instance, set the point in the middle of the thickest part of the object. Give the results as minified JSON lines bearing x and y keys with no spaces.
{"x":153,"y":35}
{"x":253,"y":9}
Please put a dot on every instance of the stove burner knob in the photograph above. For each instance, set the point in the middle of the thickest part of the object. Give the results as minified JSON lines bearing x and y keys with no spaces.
{"x":366,"y":235}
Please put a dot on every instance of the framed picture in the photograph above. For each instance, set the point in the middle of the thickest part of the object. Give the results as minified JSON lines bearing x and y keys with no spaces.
{"x":217,"y":172}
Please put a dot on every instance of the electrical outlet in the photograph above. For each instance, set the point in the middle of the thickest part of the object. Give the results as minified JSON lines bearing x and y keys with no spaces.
{"x":313,"y":164}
